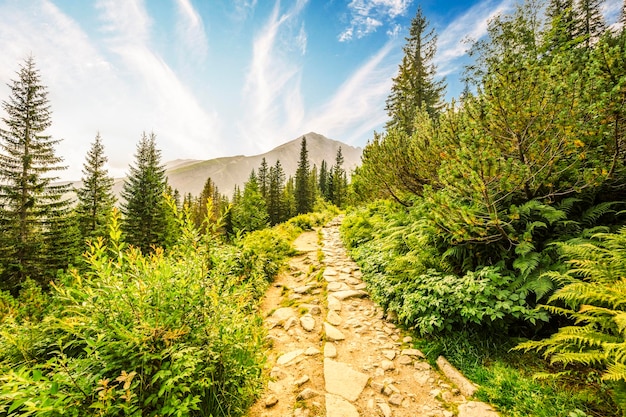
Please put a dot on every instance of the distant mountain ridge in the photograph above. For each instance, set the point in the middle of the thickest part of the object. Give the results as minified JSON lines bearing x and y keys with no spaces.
{"x":189,"y":176}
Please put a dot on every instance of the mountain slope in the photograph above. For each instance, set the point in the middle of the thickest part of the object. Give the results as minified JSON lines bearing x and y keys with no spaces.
{"x":189,"y":176}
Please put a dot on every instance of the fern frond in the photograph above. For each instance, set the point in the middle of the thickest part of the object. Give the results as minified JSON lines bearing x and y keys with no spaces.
{"x":615,"y":372}
{"x":541,"y":286}
{"x":593,"y":214}
{"x":586,"y":358}
{"x":527,"y":263}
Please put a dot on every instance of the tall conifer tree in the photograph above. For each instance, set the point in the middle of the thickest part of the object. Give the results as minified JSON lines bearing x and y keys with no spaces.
{"x":275,"y":193}
{"x":415,"y":86}
{"x":95,"y":197}
{"x":34,"y":211}
{"x":144,"y":208}
{"x":303,"y":194}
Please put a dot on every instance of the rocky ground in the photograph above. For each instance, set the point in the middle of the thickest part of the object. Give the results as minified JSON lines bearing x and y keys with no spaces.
{"x":333,"y":353}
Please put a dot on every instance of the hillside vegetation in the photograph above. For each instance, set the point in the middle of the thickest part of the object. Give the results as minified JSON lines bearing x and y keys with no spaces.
{"x":504,"y":211}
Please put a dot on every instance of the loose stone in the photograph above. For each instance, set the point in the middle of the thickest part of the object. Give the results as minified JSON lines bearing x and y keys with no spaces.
{"x":413,"y":352}
{"x":338,"y":407}
{"x":405,"y":360}
{"x":330,"y":351}
{"x":389,"y":354}
{"x":304,"y":379}
{"x":307,"y":322}
{"x":311,"y":351}
{"x":332,"y":333}
{"x":271,"y":401}
{"x":288,"y":357}
{"x":387,"y":365}
{"x":385,"y":409}
{"x":306,"y":394}
{"x":333,"y":318}
{"x":396,"y":399}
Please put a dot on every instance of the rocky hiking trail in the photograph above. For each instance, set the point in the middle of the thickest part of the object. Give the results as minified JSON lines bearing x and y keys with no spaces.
{"x":334,"y":354}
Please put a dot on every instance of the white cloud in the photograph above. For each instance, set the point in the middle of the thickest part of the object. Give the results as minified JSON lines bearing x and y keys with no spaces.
{"x":159,"y":100}
{"x":452,"y":41}
{"x":271,"y":92}
{"x":243,"y":8}
{"x":357,"y":108}
{"x":190,"y":29}
{"x":366,"y":16}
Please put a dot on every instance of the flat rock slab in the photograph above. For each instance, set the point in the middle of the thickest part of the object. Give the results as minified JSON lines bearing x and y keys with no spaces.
{"x":344,"y":381}
{"x":338,"y":407}
{"x":281,"y":315}
{"x":338,"y":286}
{"x":344,"y":295}
{"x":330,"y":351}
{"x":288,"y":357}
{"x":463,"y":384}
{"x":476,"y":409}
{"x":333,"y":303}
{"x":332,"y":333}
{"x":333,"y":318}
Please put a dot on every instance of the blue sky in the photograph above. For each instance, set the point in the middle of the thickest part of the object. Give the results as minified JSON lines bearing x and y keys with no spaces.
{"x":223,"y":77}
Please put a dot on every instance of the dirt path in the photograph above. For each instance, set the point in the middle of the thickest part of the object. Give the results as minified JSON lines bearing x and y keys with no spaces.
{"x":333,"y":354}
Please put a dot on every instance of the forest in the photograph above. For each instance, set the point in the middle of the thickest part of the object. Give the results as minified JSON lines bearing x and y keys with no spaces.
{"x":492,"y":226}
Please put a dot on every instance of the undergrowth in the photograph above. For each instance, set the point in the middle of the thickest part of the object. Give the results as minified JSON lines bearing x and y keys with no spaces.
{"x":172,"y":333}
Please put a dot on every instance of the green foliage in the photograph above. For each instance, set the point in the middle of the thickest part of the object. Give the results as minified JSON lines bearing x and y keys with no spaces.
{"x":145,"y":209}
{"x":171,"y":333}
{"x":250,"y":212}
{"x":33,"y":210}
{"x":95,"y":196}
{"x":303,"y":190}
{"x":507,"y":379}
{"x":593,"y":296}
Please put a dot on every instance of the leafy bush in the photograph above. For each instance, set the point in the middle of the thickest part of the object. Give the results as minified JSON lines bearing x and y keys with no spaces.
{"x":169,"y":334}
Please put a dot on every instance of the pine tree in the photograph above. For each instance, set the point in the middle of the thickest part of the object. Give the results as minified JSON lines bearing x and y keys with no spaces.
{"x":589,"y":20}
{"x":303,"y":194}
{"x":34,"y":211}
{"x":323,"y":180}
{"x":338,"y":183}
{"x":275,"y":193}
{"x":250,"y":213}
{"x":263,"y":179}
{"x":144,"y":208}
{"x":561,"y":18}
{"x":288,"y":200}
{"x":95,"y":197}
{"x":415,"y":86}
{"x":209,"y":192}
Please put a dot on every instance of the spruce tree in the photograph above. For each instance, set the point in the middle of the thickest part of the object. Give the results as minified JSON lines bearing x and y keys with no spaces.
{"x":95,"y":196}
{"x":338,"y":184}
{"x":275,"y":193}
{"x":323,"y":180}
{"x":34,"y":210}
{"x":144,"y":209}
{"x":415,"y":86}
{"x":250,"y":213}
{"x":589,"y":20}
{"x":263,"y":179}
{"x":561,"y":18}
{"x":303,"y":194}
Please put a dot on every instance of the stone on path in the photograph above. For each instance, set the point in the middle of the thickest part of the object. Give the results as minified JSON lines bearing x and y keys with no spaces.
{"x":307,"y":393}
{"x":476,"y":409}
{"x":307,"y":322}
{"x":281,"y":315}
{"x":344,"y":381}
{"x":337,"y":286}
{"x":385,"y":409}
{"x":332,"y":333}
{"x":413,"y":352}
{"x":288,"y":357}
{"x":271,"y":401}
{"x":311,"y":351}
{"x":389,"y":354}
{"x":387,"y":365}
{"x":463,"y":384}
{"x":330,"y":351}
{"x":304,"y":379}
{"x":333,"y":318}
{"x":334,"y":304}
{"x":344,"y":295}
{"x":338,"y":407}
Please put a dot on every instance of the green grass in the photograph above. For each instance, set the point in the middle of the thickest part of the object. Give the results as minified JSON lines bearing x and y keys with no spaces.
{"x":508,"y":380}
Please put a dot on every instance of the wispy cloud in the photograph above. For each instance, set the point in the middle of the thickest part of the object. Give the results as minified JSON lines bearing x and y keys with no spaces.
{"x":243,"y":8}
{"x":452,"y":43}
{"x":190,"y":30}
{"x":366,"y":16}
{"x":272,"y":89}
{"x":357,"y":108}
{"x":162,"y":102}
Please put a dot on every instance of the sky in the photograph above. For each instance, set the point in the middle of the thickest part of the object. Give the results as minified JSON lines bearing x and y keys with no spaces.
{"x":215,"y":78}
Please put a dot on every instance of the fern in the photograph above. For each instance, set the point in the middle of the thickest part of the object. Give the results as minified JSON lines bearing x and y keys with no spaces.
{"x":594,"y":296}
